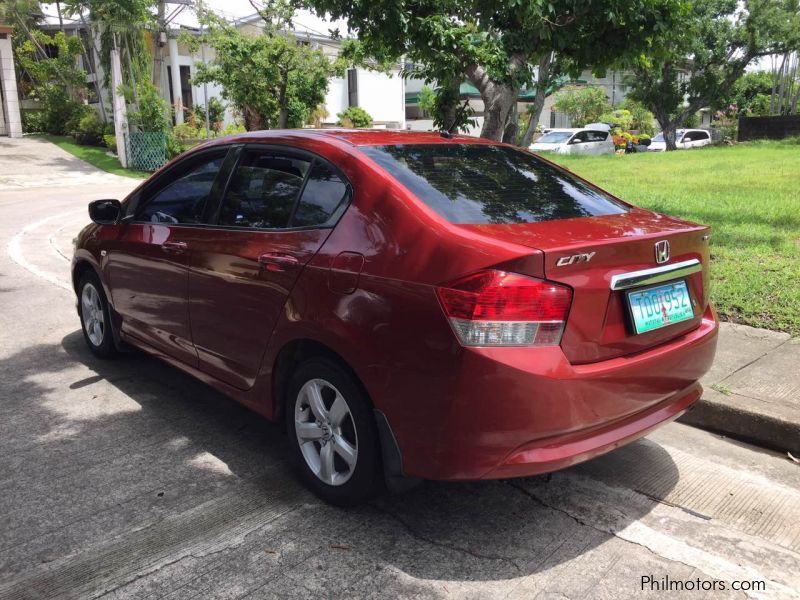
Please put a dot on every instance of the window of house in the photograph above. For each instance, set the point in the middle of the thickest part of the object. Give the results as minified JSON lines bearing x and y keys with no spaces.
{"x":186,"y":88}
{"x":352,"y":87}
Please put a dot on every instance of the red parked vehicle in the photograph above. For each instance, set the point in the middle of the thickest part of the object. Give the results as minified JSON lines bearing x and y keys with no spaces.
{"x":413,"y":305}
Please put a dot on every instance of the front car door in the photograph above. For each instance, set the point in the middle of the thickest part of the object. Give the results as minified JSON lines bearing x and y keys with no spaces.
{"x":577,"y":144}
{"x":148,"y":263}
{"x":279,"y":208}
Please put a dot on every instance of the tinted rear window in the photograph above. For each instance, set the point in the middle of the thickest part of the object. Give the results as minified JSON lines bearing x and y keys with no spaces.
{"x":482,"y":184}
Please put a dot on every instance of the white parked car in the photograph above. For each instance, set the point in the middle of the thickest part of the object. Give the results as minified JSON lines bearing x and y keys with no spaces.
{"x":575,"y":141}
{"x":684,"y":138}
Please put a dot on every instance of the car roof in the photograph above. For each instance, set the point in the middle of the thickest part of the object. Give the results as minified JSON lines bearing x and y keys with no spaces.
{"x":358,"y":137}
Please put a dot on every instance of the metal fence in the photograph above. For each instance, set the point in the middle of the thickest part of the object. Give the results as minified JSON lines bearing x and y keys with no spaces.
{"x":146,"y":150}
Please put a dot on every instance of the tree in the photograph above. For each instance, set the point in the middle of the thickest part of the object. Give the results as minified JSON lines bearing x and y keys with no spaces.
{"x":582,"y":104}
{"x":56,"y":80}
{"x":750,"y":95}
{"x":495,"y":45}
{"x":272,"y":78}
{"x":704,"y":56}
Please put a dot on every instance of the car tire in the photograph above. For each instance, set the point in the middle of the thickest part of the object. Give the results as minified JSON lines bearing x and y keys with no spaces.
{"x":332,"y":432}
{"x":95,"y":316}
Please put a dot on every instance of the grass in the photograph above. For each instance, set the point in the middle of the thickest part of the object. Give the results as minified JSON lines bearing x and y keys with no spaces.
{"x":93,"y":155}
{"x":749,"y":194}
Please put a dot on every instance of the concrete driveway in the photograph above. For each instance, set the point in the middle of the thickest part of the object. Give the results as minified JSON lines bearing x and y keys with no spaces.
{"x":127,"y":479}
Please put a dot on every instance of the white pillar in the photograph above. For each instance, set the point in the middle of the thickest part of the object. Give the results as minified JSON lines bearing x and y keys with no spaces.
{"x":8,"y":79}
{"x":176,"y":80}
{"x":118,"y":102}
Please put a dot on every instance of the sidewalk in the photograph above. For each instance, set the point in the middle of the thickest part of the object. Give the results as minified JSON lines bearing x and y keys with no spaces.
{"x":753,"y":390}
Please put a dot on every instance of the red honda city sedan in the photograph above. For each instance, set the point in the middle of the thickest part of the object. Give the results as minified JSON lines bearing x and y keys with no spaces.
{"x":413,"y":305}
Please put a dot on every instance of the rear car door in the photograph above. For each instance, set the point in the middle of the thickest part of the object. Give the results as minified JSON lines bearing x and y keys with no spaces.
{"x":278,"y":209}
{"x":596,"y":142}
{"x":148,"y":263}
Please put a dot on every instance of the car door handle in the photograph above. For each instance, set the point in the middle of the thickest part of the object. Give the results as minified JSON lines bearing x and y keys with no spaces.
{"x":174,"y":247}
{"x":275,"y":261}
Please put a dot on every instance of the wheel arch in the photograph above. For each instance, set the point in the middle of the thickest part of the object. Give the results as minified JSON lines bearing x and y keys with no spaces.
{"x":296,"y":351}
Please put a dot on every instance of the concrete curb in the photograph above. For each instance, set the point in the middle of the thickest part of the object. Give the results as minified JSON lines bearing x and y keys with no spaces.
{"x":730,"y":415}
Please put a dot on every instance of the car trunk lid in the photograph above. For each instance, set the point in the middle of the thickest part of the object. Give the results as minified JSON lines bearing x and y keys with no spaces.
{"x":586,"y":253}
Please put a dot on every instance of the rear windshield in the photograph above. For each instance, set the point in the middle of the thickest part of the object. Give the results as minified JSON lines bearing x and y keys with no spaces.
{"x":483,"y":184}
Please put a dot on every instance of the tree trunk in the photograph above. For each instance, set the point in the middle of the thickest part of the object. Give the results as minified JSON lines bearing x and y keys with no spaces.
{"x":498,"y":102}
{"x":512,"y":126}
{"x":669,"y":129}
{"x":252,"y":119}
{"x":535,"y":111}
{"x":450,"y":112}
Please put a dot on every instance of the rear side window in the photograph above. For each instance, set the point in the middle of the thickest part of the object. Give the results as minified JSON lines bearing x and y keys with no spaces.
{"x":183,"y":200}
{"x":323,"y":197}
{"x":483,"y":184}
{"x":263,"y":191}
{"x":596,"y":136}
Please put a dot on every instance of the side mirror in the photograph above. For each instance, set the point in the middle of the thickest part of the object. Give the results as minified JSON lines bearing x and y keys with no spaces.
{"x":105,"y":212}
{"x":574,"y":141}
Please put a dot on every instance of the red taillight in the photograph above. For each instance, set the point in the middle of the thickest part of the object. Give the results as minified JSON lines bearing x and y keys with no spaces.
{"x":495,"y":308}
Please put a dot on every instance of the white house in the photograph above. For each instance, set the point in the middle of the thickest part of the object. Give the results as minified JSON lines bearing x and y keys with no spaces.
{"x":382,"y":95}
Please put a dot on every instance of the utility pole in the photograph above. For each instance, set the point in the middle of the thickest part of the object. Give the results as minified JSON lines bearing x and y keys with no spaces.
{"x":205,"y":85}
{"x":158,"y":54}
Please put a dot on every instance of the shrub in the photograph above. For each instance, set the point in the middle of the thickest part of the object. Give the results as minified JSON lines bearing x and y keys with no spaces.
{"x":355,"y":116}
{"x":110,"y":140}
{"x":58,"y":110}
{"x":643,"y":120}
{"x":152,"y":112}
{"x":232,"y":129}
{"x":216,"y":114}
{"x":90,"y":129}
{"x":33,"y":121}
{"x":621,"y":118}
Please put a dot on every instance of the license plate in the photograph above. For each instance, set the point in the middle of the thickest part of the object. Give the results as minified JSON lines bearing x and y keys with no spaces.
{"x":657,"y":307}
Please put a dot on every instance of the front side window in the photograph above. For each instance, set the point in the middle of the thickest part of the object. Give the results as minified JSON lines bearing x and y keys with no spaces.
{"x":580,"y":137}
{"x":183,"y":200}
{"x":487,"y":184}
{"x":263,"y":191}
{"x":597,"y":136}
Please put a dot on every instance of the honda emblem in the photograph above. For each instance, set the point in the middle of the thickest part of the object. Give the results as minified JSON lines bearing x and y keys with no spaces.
{"x":662,"y":251}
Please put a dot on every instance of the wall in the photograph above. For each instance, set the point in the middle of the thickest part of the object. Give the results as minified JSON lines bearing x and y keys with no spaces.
{"x":382,"y":96}
{"x":773,"y":128}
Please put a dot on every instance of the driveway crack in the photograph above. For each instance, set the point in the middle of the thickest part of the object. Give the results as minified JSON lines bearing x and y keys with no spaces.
{"x":448,"y":546}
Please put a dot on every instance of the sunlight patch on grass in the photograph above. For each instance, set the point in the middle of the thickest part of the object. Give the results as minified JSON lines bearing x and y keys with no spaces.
{"x":749,"y":194}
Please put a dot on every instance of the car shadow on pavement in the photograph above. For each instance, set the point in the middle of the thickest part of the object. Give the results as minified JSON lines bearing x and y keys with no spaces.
{"x":139,"y":440}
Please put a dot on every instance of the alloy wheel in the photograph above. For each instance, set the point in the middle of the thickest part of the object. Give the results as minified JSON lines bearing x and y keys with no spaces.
{"x":93,"y":316}
{"x":326,"y":432}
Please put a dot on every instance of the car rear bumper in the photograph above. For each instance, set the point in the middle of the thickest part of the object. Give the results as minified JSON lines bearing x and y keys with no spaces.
{"x":520,"y":412}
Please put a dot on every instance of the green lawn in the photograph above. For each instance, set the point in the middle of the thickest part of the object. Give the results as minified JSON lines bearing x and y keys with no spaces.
{"x":749,"y":194}
{"x":93,"y":155}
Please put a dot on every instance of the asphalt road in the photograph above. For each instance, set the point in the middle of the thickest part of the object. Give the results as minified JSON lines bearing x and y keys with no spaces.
{"x":127,"y":479}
